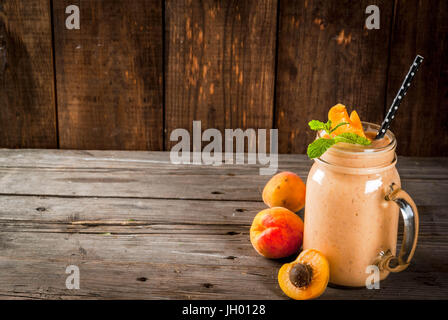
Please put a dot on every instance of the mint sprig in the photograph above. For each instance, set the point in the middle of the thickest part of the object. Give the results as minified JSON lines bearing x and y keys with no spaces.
{"x":317,"y":125}
{"x":319,"y":146}
{"x":353,"y":138}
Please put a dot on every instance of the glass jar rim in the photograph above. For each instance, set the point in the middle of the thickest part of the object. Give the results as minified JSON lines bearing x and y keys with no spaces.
{"x":358,"y":170}
{"x":366,"y":125}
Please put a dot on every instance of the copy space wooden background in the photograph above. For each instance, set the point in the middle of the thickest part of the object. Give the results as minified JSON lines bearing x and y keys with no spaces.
{"x":137,"y":69}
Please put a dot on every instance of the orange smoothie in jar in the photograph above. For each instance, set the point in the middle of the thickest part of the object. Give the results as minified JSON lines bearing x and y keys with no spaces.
{"x":347,"y":217}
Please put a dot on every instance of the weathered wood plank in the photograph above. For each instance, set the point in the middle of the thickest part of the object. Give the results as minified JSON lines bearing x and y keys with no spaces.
{"x":149,"y":184}
{"x":409,"y":167}
{"x":327,"y":56}
{"x":421,"y":27}
{"x":115,"y":280}
{"x":109,"y":75}
{"x":170,"y":248}
{"x":159,"y":216}
{"x":27,"y":100}
{"x":170,"y":263}
{"x":115,"y":159}
{"x":220,"y":60}
{"x":141,"y":212}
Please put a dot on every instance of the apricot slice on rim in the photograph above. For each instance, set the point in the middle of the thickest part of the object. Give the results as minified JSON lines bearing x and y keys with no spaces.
{"x":355,"y":121}
{"x":338,"y":114}
{"x":306,"y":277}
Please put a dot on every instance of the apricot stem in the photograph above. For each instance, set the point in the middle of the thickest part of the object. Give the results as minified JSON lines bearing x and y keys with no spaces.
{"x":301,"y":275}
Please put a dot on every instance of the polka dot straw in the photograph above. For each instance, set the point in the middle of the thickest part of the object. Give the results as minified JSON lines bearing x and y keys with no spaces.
{"x":400,"y":95}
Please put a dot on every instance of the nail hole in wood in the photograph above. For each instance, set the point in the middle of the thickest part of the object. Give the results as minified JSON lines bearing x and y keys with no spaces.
{"x":232,"y":233}
{"x":240,"y":210}
{"x":216,"y":192}
{"x":207,"y":285}
{"x":231,"y":257}
{"x":41,"y":209}
{"x":142,"y":279}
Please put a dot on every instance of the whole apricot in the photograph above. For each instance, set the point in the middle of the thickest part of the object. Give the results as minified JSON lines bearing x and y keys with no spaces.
{"x":285,"y":189}
{"x":306,"y":277}
{"x":276,"y":233}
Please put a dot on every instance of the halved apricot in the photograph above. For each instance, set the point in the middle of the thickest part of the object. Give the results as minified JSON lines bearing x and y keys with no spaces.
{"x":338,"y":114}
{"x":306,"y":277}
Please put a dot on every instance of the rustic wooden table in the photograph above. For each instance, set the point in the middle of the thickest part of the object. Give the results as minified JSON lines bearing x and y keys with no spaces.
{"x":139,"y":227}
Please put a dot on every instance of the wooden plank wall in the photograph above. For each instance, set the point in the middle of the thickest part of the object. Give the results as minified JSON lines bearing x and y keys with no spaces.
{"x":421,"y":27}
{"x":109,"y":75}
{"x":137,"y":69}
{"x":27,"y":109}
{"x":326,"y":57}
{"x":220,"y":66}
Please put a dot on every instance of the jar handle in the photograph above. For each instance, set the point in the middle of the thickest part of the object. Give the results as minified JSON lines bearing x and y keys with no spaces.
{"x":386,"y":260}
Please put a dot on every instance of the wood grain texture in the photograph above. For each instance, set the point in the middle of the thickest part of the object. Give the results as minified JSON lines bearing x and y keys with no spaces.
{"x":220,"y":61}
{"x":95,"y":174}
{"x":418,"y":168}
{"x":327,"y":56}
{"x":27,"y":101}
{"x":145,"y":248}
{"x":174,"y":261}
{"x":109,"y":75}
{"x":421,"y":124}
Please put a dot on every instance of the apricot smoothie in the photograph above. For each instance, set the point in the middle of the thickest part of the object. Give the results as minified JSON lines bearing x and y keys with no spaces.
{"x":347,"y":216}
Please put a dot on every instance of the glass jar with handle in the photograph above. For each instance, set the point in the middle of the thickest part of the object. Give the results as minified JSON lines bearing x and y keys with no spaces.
{"x":353,"y":202}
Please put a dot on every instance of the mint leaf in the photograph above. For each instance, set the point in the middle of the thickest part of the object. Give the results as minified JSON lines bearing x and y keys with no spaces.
{"x":352,"y":138}
{"x":316,"y":125}
{"x":319,"y":146}
{"x":328,"y":126}
{"x":338,"y":125}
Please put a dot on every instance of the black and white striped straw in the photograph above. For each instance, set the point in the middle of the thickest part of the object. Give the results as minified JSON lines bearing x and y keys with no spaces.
{"x":397,"y":100}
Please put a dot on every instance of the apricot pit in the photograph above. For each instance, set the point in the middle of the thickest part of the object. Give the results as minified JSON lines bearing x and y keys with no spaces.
{"x":306,"y":277}
{"x":301,"y":275}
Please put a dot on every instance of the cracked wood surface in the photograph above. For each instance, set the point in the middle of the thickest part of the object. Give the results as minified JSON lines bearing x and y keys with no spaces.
{"x":139,"y":227}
